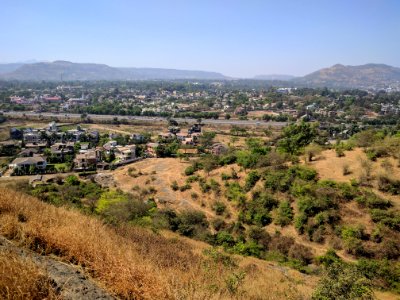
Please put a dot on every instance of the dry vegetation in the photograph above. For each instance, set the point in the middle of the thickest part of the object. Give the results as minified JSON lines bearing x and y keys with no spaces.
{"x":134,"y":263}
{"x":160,"y":173}
{"x":164,"y":171}
{"x":21,"y":279}
{"x":356,"y":164}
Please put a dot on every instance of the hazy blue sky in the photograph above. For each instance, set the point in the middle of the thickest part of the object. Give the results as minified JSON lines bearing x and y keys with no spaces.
{"x":237,"y":38}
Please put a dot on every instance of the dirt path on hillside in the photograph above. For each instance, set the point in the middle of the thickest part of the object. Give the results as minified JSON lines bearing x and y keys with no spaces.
{"x":68,"y":280}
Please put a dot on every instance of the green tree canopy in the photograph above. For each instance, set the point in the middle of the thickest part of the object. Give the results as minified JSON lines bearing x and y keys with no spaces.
{"x":296,"y":137}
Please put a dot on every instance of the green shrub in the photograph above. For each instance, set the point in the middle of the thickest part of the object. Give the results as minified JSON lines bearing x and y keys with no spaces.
{"x":220,"y":257}
{"x":257,"y":211}
{"x":174,"y":185}
{"x":248,"y":249}
{"x":215,"y":186}
{"x":219,"y":207}
{"x":117,"y":207}
{"x":328,"y":258}
{"x":234,"y":192}
{"x":185,"y":187}
{"x":389,"y":218}
{"x":284,"y":214}
{"x":247,"y":159}
{"x":192,"y":178}
{"x":351,"y":237}
{"x":204,"y":186}
{"x":260,"y":236}
{"x":109,"y":198}
{"x":370,"y":200}
{"x":234,"y":281}
{"x":278,"y":180}
{"x":383,"y":273}
{"x":190,"y":170}
{"x":389,"y":185}
{"x":304,"y":173}
{"x":300,"y":222}
{"x":352,"y":231}
{"x":218,"y":224}
{"x":225,"y":239}
{"x":372,"y":155}
{"x":227,"y":159}
{"x":72,"y":180}
{"x":343,"y":281}
{"x":251,"y":180}
{"x":310,"y":206}
{"x":192,"y":223}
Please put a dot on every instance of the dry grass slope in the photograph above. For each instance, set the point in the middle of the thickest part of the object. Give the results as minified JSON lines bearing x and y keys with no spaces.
{"x":134,"y":263}
{"x":21,"y":279}
{"x":81,"y":240}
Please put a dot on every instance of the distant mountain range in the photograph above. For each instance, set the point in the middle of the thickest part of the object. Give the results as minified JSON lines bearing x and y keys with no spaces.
{"x":8,"y":68}
{"x":364,"y":76}
{"x":337,"y":76}
{"x":68,"y":71}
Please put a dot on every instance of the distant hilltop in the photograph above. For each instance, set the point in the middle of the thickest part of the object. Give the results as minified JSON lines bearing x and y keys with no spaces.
{"x":337,"y":76}
{"x":68,"y":71}
{"x":363,"y":76}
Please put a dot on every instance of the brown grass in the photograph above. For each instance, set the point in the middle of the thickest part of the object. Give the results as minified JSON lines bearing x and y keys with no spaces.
{"x":134,"y":263}
{"x":329,"y":166}
{"x":81,"y":240}
{"x":164,"y":171}
{"x":21,"y":279}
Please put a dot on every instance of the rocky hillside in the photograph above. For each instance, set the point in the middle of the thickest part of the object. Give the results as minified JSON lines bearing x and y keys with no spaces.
{"x":363,"y":76}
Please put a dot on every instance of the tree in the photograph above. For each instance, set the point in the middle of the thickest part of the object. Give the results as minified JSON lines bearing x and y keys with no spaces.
{"x":209,"y":163}
{"x":311,"y":151}
{"x":296,"y":137}
{"x":341,"y":282}
{"x":206,"y":139}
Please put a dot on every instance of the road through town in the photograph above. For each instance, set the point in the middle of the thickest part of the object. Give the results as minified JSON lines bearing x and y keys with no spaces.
{"x":24,"y":114}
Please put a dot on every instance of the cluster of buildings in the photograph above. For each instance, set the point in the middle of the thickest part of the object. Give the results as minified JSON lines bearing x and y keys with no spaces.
{"x":53,"y":100}
{"x":37,"y":149}
{"x":43,"y":150}
{"x":36,"y":99}
{"x":189,"y":137}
